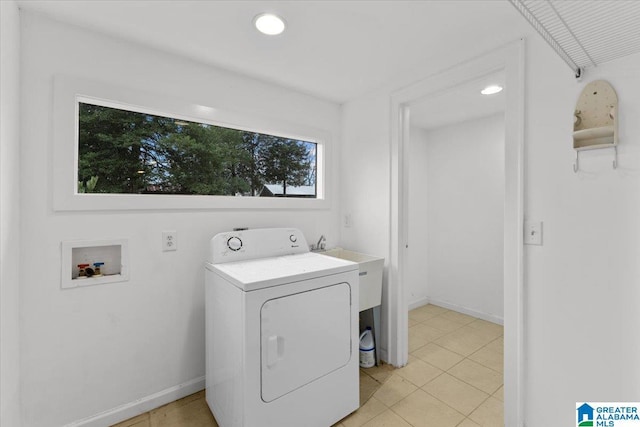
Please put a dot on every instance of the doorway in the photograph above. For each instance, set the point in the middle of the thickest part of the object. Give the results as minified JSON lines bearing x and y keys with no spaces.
{"x":454,"y":259}
{"x":510,"y":60}
{"x":455,"y":200}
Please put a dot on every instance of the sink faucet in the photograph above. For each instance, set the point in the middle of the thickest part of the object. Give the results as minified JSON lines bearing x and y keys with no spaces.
{"x":321,"y":243}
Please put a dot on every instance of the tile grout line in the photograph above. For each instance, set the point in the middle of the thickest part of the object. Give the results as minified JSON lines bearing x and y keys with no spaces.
{"x":461,"y":355}
{"x":460,"y":379}
{"x":470,"y":385}
{"x":444,"y":403}
{"x":464,"y":357}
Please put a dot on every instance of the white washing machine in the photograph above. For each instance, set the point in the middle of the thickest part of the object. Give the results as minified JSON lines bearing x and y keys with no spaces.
{"x":281,"y":331}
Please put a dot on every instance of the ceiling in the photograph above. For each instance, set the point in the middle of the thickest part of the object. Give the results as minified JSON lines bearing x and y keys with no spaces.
{"x":335,"y":50}
{"x":464,"y":102}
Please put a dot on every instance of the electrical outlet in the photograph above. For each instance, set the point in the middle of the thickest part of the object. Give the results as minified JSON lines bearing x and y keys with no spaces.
{"x":347,"y":220}
{"x":533,"y":233}
{"x":169,"y":241}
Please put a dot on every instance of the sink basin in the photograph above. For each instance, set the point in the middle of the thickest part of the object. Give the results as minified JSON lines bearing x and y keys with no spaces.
{"x":370,"y":275}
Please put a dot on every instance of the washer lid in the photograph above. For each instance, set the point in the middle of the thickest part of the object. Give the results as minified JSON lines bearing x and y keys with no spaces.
{"x":266,"y":272}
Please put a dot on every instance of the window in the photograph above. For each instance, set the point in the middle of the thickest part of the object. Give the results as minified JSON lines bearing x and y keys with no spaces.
{"x":131,"y":152}
{"x":97,"y":166}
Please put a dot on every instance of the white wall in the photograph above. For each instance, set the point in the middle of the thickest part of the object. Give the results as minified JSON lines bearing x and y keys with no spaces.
{"x":9,"y":213}
{"x":364,"y":194}
{"x":90,"y":350}
{"x":465,"y":219}
{"x":581,"y":287}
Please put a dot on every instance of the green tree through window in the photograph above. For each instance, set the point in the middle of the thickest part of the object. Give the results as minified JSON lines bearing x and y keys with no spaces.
{"x":122,"y":151}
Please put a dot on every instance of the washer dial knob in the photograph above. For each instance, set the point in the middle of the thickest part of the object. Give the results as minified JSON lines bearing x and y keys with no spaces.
{"x":293,"y":238}
{"x":234,"y":243}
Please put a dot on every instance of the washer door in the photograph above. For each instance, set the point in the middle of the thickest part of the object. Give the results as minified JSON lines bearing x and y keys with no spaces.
{"x":304,"y":337}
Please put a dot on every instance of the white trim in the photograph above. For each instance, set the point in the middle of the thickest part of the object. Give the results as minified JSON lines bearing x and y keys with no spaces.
{"x":510,"y":59}
{"x":514,"y":237}
{"x":142,"y":405}
{"x":459,"y":308}
{"x":64,"y":160}
{"x":468,"y":311}
{"x":419,"y":303}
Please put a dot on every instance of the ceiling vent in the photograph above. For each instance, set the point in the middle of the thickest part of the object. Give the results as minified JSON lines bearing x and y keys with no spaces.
{"x":585,"y":33}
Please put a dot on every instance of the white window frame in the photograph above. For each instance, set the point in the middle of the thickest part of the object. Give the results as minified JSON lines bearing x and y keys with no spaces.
{"x":69,"y":92}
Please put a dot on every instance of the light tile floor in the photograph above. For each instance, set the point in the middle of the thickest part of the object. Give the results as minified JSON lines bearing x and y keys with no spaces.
{"x":453,"y":379}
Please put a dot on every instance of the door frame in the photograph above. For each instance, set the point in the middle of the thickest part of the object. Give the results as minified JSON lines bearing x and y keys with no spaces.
{"x":511,"y":59}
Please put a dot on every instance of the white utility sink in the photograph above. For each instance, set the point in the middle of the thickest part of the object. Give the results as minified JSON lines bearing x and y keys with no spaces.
{"x":370,"y":275}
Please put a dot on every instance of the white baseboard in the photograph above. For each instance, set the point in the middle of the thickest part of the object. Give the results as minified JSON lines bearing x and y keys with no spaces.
{"x":142,"y":405}
{"x":460,"y":309}
{"x":418,"y":303}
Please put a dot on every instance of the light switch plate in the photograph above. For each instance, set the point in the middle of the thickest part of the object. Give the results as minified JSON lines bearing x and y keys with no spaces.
{"x":533,"y":233}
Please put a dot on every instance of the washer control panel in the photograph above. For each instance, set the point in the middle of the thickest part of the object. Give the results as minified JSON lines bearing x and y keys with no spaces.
{"x":259,"y":243}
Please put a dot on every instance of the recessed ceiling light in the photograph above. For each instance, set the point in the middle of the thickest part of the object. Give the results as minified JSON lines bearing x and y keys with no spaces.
{"x":268,"y":23}
{"x":490,"y":90}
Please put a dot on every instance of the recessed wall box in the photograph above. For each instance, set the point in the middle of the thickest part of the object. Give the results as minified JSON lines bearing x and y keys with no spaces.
{"x":112,"y":256}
